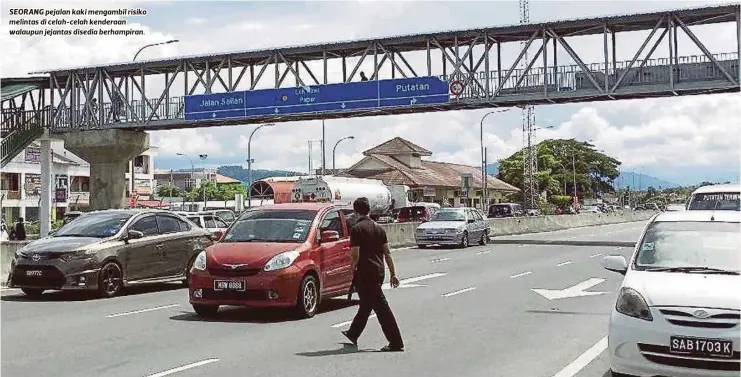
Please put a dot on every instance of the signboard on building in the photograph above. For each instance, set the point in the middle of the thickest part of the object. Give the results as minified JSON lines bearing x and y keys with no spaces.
{"x":60,"y":195}
{"x":32,"y":155}
{"x":32,"y":185}
{"x":429,"y":191}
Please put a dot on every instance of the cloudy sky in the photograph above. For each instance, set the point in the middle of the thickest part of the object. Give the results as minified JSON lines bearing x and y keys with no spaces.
{"x":684,"y":139}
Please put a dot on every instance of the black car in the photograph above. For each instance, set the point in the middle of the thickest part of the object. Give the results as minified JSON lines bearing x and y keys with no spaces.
{"x":108,"y":250}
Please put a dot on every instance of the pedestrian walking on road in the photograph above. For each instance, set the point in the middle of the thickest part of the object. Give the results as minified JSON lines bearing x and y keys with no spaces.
{"x":20,"y":230}
{"x":369,"y":248}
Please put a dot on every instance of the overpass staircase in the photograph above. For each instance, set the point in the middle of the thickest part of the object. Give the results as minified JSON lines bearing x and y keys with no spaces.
{"x":19,"y":128}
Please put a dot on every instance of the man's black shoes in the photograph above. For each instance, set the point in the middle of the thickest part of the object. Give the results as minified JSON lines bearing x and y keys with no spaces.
{"x":392,"y":348}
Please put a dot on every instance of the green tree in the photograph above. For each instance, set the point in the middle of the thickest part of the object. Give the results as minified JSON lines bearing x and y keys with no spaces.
{"x":167,"y":191}
{"x":559,"y":162}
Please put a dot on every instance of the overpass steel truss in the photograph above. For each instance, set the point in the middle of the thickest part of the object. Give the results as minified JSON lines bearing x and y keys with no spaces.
{"x":489,"y":81}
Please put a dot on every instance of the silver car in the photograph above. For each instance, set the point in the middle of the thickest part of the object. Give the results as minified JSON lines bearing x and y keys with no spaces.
{"x":453,"y":226}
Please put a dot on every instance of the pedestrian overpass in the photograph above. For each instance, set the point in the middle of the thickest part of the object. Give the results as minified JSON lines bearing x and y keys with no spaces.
{"x":102,"y":111}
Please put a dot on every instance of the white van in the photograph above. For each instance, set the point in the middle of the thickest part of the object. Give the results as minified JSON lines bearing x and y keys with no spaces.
{"x":723,"y":197}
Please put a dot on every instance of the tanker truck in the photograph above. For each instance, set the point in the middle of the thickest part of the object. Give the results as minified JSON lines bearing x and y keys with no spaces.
{"x":344,"y":190}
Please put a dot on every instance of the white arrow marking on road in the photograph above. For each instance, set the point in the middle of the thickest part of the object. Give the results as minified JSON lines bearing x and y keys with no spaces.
{"x":458,"y":291}
{"x":141,"y":311}
{"x":405,"y":283}
{"x":184,"y":367}
{"x":343,"y":324}
{"x":578,"y":290}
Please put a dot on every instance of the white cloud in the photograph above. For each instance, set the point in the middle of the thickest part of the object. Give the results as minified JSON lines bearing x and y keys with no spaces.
{"x":671,"y":133}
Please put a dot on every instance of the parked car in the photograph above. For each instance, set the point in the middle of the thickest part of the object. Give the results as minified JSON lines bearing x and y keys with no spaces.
{"x":677,"y":311}
{"x":506,"y":210}
{"x":212,"y":223}
{"x":225,"y":214}
{"x":109,"y":250}
{"x":289,"y":255}
{"x":590,"y":209}
{"x":453,"y":226}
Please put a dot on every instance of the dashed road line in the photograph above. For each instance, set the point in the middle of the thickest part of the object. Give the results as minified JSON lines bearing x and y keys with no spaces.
{"x":583,"y":360}
{"x":563,"y":263}
{"x":183,"y":367}
{"x":343,"y":324}
{"x":438,"y":260}
{"x":520,"y":274}
{"x":618,"y":248}
{"x":595,"y":255}
{"x":141,"y":311}
{"x":484,"y":252}
{"x":458,"y":291}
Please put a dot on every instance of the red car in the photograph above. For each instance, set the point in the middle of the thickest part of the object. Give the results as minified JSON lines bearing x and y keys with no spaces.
{"x":289,"y":255}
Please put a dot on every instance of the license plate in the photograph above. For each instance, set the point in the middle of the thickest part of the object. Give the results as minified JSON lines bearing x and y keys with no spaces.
{"x":33,"y":273}
{"x":435,"y":237}
{"x":229,"y":285}
{"x":701,"y":346}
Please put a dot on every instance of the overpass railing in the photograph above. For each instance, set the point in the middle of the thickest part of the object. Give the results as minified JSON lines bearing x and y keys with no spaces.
{"x":567,"y":79}
{"x":20,"y":128}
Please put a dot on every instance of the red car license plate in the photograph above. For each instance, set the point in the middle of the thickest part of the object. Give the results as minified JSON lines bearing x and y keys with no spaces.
{"x":229,"y":285}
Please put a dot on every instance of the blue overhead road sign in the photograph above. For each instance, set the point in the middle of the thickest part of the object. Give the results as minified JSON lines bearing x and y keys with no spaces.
{"x":318,"y":99}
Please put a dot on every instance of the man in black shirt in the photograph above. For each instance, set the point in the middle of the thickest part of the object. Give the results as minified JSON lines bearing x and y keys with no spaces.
{"x":369,"y":247}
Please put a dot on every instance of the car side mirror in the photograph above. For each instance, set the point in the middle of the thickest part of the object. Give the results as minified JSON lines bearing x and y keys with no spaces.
{"x":330,"y":236}
{"x":133,"y":235}
{"x":615,"y":263}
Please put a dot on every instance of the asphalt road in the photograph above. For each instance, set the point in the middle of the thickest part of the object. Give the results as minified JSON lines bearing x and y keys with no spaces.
{"x":466,"y":312}
{"x":612,"y":232}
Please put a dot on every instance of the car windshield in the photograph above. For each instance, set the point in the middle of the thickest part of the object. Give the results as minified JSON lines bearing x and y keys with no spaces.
{"x":727,"y":201}
{"x":449,"y":216}
{"x":690,"y":244}
{"x":271,"y":226}
{"x":195,"y":220}
{"x":225,"y":215}
{"x":94,"y":224}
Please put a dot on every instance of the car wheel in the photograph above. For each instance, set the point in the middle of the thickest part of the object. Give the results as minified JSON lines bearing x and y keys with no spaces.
{"x":32,"y":292}
{"x":464,"y":240}
{"x":484,"y":238}
{"x":110,"y":280}
{"x":186,"y":281}
{"x":308,"y":297}
{"x":206,"y":310}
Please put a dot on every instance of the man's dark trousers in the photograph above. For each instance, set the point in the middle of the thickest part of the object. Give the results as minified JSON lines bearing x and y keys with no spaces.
{"x":372,"y":298}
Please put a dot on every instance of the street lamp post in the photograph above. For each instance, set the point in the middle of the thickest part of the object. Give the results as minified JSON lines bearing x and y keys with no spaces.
{"x":203,"y":158}
{"x":131,"y":177}
{"x":249,"y":162}
{"x":335,"y":149}
{"x":191,"y":168}
{"x":484,"y":181}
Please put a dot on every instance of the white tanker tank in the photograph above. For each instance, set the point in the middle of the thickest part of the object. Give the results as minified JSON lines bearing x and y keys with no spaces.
{"x":344,"y":190}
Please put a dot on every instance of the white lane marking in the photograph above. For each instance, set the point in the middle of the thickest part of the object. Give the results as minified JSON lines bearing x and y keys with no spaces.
{"x":184,"y":367}
{"x":520,"y":274}
{"x":141,"y":311}
{"x":563,"y":263}
{"x":484,"y":252}
{"x":343,"y":324}
{"x":439,"y":260}
{"x":618,"y":248}
{"x":583,"y":360}
{"x":406,"y":283}
{"x":595,"y":255}
{"x":458,"y":291}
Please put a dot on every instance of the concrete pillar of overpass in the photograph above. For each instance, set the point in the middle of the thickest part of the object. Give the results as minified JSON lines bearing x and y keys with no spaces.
{"x":108,"y":152}
{"x":46,"y":187}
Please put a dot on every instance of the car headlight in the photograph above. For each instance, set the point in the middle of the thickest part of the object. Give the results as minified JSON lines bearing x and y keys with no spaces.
{"x":632,"y":304}
{"x":76,"y":255}
{"x":200,"y":262}
{"x":281,"y":260}
{"x":455,"y":230}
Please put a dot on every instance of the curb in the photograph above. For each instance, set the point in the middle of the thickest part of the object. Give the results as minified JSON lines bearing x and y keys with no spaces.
{"x":563,"y":243}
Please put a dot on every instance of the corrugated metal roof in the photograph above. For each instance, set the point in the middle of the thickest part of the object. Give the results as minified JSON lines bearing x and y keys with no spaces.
{"x":14,"y":90}
{"x":317,"y":47}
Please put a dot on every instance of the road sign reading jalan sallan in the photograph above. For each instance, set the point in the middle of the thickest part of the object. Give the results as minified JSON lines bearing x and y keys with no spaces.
{"x":413,"y":91}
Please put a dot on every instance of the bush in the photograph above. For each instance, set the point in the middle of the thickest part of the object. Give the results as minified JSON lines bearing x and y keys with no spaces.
{"x":32,"y":228}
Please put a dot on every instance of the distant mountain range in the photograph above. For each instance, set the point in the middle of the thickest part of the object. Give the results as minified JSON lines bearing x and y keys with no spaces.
{"x":636,"y":181}
{"x":240,"y":173}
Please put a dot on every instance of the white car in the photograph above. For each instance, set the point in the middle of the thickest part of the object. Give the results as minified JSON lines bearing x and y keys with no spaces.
{"x":677,"y":312}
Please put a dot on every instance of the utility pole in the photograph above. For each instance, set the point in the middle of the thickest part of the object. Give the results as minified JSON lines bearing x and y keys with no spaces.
{"x":324,"y":159}
{"x":530,"y":154}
